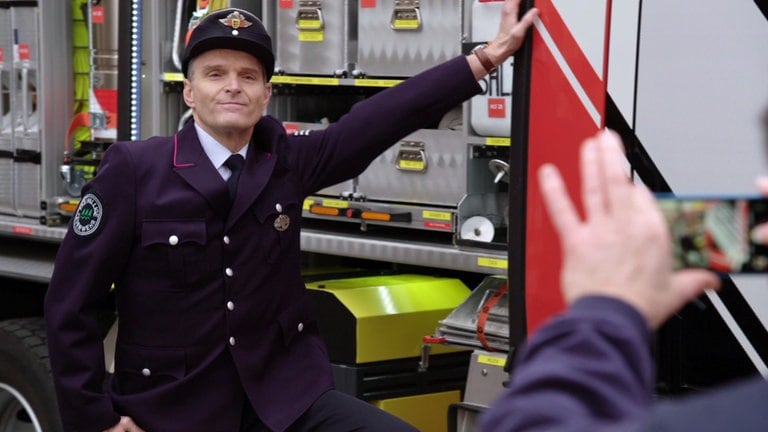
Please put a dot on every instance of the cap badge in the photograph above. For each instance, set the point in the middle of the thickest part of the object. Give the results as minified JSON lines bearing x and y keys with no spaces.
{"x":235,"y":20}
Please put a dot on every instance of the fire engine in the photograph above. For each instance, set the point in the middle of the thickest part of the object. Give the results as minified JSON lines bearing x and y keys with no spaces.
{"x":452,"y":211}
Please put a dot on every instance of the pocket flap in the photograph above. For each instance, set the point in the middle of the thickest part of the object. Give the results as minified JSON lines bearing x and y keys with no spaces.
{"x":151,"y":361}
{"x":264,"y":208}
{"x":173,"y":232}
{"x":297,"y":318}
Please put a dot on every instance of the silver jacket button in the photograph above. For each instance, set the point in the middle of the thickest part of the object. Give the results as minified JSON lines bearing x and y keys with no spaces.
{"x":230,"y":305}
{"x":226,"y":239}
{"x":300,"y":327}
{"x":232,"y":341}
{"x":146,"y":372}
{"x":279,"y":208}
{"x":173,"y":240}
{"x":228,"y":271}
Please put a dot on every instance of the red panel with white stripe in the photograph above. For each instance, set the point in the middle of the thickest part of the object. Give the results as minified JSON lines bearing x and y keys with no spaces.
{"x":567,"y":104}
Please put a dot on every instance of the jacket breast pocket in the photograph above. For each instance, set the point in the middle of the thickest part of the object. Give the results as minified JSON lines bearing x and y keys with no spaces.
{"x":177,"y":248}
{"x":279,"y":222}
{"x":140,"y":369}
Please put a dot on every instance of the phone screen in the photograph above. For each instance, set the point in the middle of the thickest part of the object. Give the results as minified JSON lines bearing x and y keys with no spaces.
{"x":714,"y":233}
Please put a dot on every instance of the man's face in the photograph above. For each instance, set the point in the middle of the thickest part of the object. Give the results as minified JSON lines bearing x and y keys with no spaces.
{"x":227,"y":92}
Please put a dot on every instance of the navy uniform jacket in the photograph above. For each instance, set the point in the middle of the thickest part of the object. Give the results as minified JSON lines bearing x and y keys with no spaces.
{"x":590,"y":369}
{"x":211,"y":302}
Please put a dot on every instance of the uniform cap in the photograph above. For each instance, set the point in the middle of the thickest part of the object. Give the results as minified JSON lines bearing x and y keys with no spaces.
{"x":231,"y":29}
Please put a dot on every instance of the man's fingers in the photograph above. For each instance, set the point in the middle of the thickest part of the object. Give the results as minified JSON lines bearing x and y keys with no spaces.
{"x":125,"y":424}
{"x":592,"y":181}
{"x":762,"y":184}
{"x":614,"y":168}
{"x":527,"y":20}
{"x":691,"y":283}
{"x":559,"y":206}
{"x":759,"y":234}
{"x":129,"y":425}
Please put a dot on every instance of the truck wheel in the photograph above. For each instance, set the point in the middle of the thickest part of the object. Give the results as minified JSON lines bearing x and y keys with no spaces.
{"x":27,"y":397}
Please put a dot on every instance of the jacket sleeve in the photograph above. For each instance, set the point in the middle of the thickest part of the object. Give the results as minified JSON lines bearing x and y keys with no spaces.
{"x":348,"y":146}
{"x":587,"y":369}
{"x":89,"y":261}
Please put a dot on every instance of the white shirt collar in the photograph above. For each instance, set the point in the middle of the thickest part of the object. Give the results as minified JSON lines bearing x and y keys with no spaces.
{"x":216,"y":152}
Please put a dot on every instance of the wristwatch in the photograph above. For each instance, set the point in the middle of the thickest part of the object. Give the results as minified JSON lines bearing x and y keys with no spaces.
{"x":479,"y":52}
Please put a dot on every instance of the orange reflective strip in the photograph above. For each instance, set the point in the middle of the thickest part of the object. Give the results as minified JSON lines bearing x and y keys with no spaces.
{"x":369,"y":215}
{"x":322,"y":210}
{"x":68,"y":207}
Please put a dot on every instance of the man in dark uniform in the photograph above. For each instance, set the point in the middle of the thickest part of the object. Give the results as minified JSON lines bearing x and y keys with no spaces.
{"x":590,"y":368}
{"x":199,"y":233}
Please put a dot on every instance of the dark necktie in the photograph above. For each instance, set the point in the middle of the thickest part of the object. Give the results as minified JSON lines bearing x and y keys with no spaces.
{"x":235,"y":164}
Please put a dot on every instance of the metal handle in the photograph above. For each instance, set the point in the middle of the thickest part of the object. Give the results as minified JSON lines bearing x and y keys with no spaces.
{"x":500,"y":169}
{"x":2,"y":104}
{"x":307,"y":15}
{"x":411,"y":157}
{"x":177,"y":35}
{"x":410,"y":15}
{"x":25,"y":97}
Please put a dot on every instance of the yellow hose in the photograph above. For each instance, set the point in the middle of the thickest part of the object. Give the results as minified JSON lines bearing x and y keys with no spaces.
{"x":81,"y":68}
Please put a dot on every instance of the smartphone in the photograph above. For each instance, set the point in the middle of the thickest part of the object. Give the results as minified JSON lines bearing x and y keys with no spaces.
{"x":714,"y":232}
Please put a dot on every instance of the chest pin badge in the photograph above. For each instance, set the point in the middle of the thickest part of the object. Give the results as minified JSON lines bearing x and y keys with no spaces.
{"x":282,"y":222}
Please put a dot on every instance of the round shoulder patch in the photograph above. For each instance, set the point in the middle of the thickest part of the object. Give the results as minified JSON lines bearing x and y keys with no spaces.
{"x":88,"y":216}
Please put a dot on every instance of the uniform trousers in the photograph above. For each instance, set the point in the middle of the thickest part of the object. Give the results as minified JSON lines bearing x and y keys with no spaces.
{"x":334,"y":411}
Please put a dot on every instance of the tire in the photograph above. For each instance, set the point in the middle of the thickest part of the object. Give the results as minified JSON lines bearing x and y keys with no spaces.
{"x":27,"y":396}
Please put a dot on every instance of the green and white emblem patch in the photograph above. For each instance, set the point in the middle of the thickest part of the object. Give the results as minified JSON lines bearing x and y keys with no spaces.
{"x":88,"y":216}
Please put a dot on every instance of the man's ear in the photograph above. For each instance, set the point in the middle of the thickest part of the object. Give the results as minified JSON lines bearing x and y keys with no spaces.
{"x":188,"y":95}
{"x":268,"y":90}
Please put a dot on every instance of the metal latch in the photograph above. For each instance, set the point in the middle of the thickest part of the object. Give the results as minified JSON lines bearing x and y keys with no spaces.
{"x":310,"y":15}
{"x":406,"y":16}
{"x":411,"y":156}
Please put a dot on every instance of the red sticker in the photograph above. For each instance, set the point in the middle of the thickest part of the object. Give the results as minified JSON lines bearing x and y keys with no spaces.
{"x":22,"y":230}
{"x":291,"y":128}
{"x":97,"y":15}
{"x":497,"y":107}
{"x":1,"y":54}
{"x":286,"y":4}
{"x":446,"y":226}
{"x":24,"y":53}
{"x":367,"y":4}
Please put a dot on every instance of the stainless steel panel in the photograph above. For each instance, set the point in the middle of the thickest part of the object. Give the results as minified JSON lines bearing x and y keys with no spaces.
{"x":460,"y":326}
{"x":6,"y":185}
{"x":24,"y":22}
{"x":27,"y":188}
{"x":23,"y":259}
{"x":403,"y":251}
{"x":400,"y":175}
{"x":6,"y":37}
{"x":486,"y":377}
{"x":311,"y":37}
{"x":399,"y":38}
{"x":103,"y":28}
{"x":55,"y":91}
{"x":6,"y":65}
{"x":24,"y":79}
{"x":10,"y":225}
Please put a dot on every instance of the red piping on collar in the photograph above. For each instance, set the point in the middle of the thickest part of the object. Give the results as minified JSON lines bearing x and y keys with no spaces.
{"x":176,"y":152}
